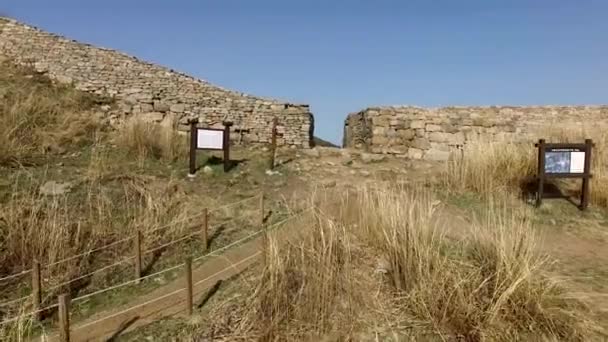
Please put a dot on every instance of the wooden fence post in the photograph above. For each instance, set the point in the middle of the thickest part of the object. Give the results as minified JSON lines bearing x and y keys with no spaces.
{"x":188,"y":270}
{"x":205,"y":229}
{"x":64,"y":318}
{"x":585,"y":188}
{"x":262,"y":210}
{"x":36,"y":289}
{"x":273,"y":144}
{"x":138,"y":267}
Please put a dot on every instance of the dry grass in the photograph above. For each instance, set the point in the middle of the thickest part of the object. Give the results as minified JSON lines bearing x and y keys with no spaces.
{"x":489,"y":285}
{"x":488,"y":168}
{"x":150,"y":140}
{"x":49,"y":229}
{"x":38,"y":117}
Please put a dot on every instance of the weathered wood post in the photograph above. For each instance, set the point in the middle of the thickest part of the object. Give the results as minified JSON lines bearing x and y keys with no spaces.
{"x":36,"y":289}
{"x":587,"y":171}
{"x":273,"y":143}
{"x":205,"y":229}
{"x":262,"y":210}
{"x":138,"y":266}
{"x":64,"y":318}
{"x":226,"y":145}
{"x":193,"y":138}
{"x":188,"y":271}
{"x":541,"y":172}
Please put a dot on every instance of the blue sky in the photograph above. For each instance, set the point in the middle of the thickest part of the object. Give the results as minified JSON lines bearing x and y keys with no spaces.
{"x":342,"y":56}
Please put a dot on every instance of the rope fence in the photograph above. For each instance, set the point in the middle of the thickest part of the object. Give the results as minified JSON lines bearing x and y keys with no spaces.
{"x":37,"y":282}
{"x":265,"y":229}
{"x":21,"y":273}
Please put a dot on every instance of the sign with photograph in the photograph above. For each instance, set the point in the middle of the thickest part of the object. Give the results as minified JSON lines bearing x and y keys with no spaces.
{"x":561,"y":160}
{"x":564,"y":160}
{"x":209,"y":139}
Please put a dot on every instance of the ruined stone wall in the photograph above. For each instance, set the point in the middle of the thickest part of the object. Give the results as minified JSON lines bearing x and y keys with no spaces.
{"x":433,"y":134}
{"x":154,"y":92}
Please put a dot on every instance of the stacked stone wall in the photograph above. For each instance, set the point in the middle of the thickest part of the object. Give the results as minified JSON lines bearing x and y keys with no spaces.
{"x":153,"y":92}
{"x":434,"y":134}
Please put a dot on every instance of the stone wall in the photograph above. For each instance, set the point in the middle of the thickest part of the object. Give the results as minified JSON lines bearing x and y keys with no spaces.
{"x":154,"y":92}
{"x":433,"y":134}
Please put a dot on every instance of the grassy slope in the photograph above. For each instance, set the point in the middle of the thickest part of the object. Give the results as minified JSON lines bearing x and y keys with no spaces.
{"x":121,"y":181}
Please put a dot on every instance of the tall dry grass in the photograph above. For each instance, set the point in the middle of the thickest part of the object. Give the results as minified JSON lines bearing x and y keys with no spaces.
{"x":53,"y":228}
{"x":38,"y":117}
{"x":150,"y":140}
{"x":488,"y":284}
{"x":488,"y":168}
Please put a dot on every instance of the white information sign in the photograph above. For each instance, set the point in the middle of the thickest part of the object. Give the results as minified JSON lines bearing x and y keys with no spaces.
{"x":209,"y":139}
{"x":577,"y":162}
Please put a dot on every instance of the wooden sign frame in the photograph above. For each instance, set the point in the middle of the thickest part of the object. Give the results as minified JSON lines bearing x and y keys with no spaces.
{"x":585,"y":175}
{"x":194,"y":144}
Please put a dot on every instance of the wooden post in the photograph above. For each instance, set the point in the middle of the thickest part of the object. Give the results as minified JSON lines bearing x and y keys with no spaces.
{"x":226,"y":146}
{"x":138,"y":268}
{"x":262,"y":210}
{"x":64,"y":318}
{"x":36,"y":289}
{"x":193,"y":142}
{"x":188,"y":270}
{"x":587,"y":171}
{"x":273,"y":144}
{"x":205,"y":229}
{"x":541,"y":172}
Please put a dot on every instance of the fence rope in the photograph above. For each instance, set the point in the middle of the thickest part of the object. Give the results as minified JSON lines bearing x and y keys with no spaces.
{"x":14,"y":301}
{"x":125,"y":283}
{"x":88,"y":252}
{"x":151,"y":250}
{"x":15,"y":275}
{"x":16,"y":318}
{"x":233,"y":265}
{"x":125,"y":260}
{"x":90,"y":273}
{"x":168,"y":294}
{"x":194,"y":260}
{"x":200,"y":214}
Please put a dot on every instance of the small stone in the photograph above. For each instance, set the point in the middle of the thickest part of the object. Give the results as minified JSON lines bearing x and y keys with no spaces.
{"x":313,"y":152}
{"x":329,"y":184}
{"x":52,"y":188}
{"x":364,"y":173}
{"x":371,"y":157}
{"x":272,"y":172}
{"x":207,"y":170}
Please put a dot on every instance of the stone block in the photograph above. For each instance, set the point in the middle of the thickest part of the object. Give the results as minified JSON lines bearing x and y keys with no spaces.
{"x":415,"y":153}
{"x":456,"y":138}
{"x":436,"y":155}
{"x":407,"y":134}
{"x":160,"y":106}
{"x":438,"y":137}
{"x":416,"y":124}
{"x":420,"y":143}
{"x":433,"y":128}
{"x":379,"y":140}
{"x":177,"y":108}
{"x":152,"y":117}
